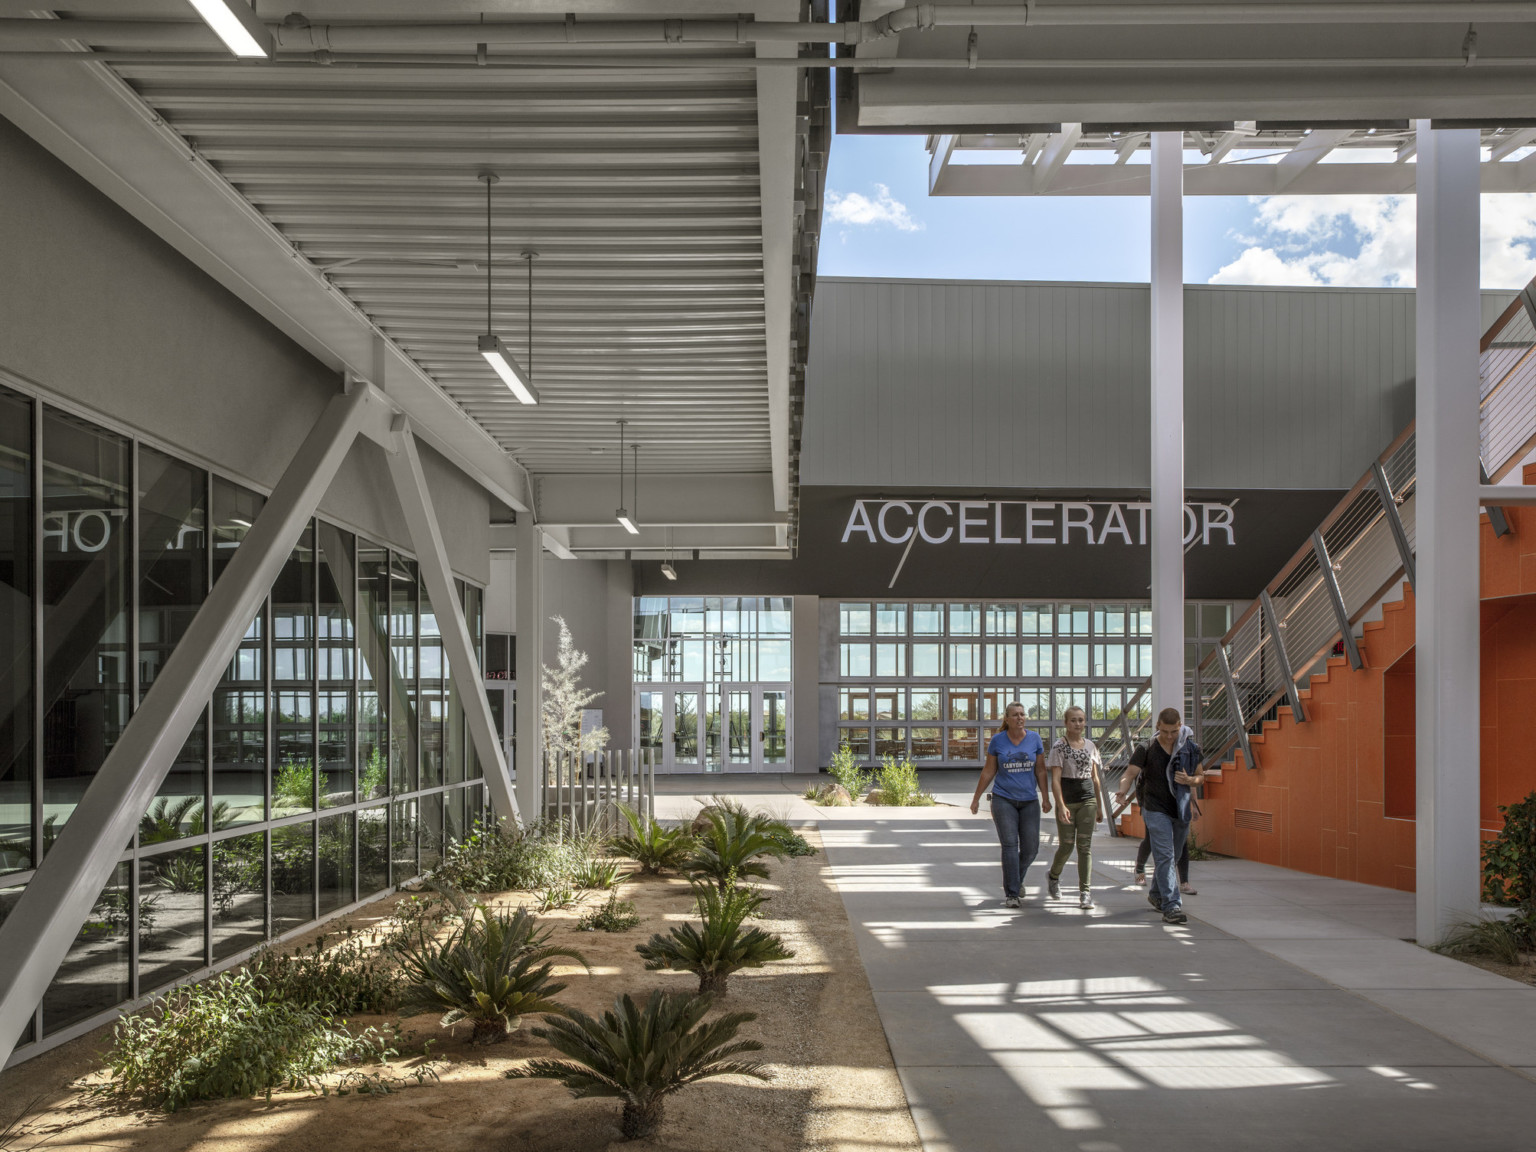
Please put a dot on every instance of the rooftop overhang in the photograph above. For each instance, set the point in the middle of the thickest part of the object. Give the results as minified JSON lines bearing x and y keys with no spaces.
{"x":671,"y":190}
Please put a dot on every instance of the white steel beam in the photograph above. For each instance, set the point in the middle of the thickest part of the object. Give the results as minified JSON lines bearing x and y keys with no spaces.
{"x":942,"y":147}
{"x":776,"y":172}
{"x":1130,"y":147}
{"x":1511,"y":143}
{"x":1054,"y":155}
{"x":529,"y":594}
{"x":427,"y":538}
{"x":37,"y":935}
{"x":1167,"y":425}
{"x":1448,"y":324}
{"x":1308,"y":152}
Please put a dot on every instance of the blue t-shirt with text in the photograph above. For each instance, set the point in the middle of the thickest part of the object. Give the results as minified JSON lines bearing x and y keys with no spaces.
{"x":1015,"y":777}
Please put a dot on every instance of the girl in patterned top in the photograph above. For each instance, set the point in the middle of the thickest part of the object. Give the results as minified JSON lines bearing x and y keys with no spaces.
{"x":1079,"y":795}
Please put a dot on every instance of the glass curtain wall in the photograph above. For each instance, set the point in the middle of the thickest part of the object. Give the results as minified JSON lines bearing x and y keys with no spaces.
{"x":279,"y":808}
{"x":932,"y":679}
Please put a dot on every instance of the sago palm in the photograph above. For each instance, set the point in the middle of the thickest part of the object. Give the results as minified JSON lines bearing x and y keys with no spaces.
{"x":734,"y":843}
{"x":643,"y":1054}
{"x":491,"y":970}
{"x":651,"y":845}
{"x":719,"y":946}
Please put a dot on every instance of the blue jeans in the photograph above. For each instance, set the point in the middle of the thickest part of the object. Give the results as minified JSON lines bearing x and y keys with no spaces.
{"x":1167,"y":834}
{"x":1018,"y":830}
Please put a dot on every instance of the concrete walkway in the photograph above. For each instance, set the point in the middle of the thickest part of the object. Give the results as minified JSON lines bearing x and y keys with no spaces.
{"x":1288,"y":1013}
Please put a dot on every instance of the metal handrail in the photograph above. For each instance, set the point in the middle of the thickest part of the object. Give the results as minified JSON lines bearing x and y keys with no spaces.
{"x":1367,"y":542}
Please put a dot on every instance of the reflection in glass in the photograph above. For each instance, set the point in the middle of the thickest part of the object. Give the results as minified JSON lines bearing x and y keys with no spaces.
{"x":402,"y":851}
{"x":891,"y":660}
{"x":853,"y":703}
{"x":431,"y":831}
{"x":925,"y":704}
{"x":739,"y":724}
{"x":854,"y":619}
{"x":857,"y":740}
{"x":372,"y":670}
{"x":8,"y":898}
{"x":338,"y":871}
{"x":94,"y":975}
{"x":774,"y":733}
{"x":173,"y":936}
{"x":964,"y":744}
{"x":402,"y":647}
{"x":372,"y":849}
{"x":430,"y":709}
{"x":294,"y":779}
{"x":927,"y":660}
{"x":293,"y":877}
{"x":239,"y":894}
{"x":927,"y":744}
{"x":453,"y":815}
{"x":86,"y":538}
{"x":240,"y":701}
{"x":474,"y":617}
{"x":891,"y":742}
{"x":336,"y":637}
{"x":15,"y":635}
{"x":927,"y":619}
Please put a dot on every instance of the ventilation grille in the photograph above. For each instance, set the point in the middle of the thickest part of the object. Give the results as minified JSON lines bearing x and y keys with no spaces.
{"x":1253,"y":821}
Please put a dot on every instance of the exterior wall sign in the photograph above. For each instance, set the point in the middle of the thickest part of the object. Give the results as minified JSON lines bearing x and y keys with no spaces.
{"x":1094,"y":522}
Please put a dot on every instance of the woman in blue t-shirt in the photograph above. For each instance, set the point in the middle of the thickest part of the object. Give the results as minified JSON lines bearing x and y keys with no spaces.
{"x":1015,"y":769}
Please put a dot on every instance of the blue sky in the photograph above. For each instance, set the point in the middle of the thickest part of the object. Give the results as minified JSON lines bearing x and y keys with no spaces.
{"x":881,"y":222}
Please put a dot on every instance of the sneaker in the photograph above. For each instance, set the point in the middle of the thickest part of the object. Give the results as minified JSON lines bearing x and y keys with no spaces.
{"x":1085,"y":899}
{"x":1175,"y":915}
{"x":1141,"y":878}
{"x":1187,"y":888}
{"x":1155,"y":900}
{"x":1054,"y":886}
{"x":1011,"y":902}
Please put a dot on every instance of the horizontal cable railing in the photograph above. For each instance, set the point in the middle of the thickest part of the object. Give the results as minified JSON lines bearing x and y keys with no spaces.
{"x":1358,"y":554}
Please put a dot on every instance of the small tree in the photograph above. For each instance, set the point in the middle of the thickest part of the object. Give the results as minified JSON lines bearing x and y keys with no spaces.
{"x":565,"y":699}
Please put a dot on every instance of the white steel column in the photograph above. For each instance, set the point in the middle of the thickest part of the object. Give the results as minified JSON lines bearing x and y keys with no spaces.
{"x":1447,"y":312}
{"x":459,"y":646}
{"x":1167,"y":421}
{"x":529,"y":760}
{"x":46,"y":919}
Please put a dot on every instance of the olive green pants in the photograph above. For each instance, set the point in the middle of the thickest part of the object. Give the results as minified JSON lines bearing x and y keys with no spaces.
{"x":1077,"y":833}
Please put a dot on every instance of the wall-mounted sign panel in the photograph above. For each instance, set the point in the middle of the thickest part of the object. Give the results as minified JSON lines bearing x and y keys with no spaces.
{"x":1014,"y":544}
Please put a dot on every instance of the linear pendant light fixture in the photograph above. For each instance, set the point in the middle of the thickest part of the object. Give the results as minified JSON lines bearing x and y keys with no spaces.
{"x":490,"y":345}
{"x":622,"y":515}
{"x":236,"y":23}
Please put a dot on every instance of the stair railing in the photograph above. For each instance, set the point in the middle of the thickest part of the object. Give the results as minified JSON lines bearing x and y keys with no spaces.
{"x":1357,"y":555}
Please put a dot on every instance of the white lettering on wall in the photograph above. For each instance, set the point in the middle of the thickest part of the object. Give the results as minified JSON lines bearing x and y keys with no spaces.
{"x":965,"y":521}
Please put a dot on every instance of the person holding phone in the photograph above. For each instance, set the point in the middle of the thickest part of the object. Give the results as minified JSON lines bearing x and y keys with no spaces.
{"x":1015,"y":770}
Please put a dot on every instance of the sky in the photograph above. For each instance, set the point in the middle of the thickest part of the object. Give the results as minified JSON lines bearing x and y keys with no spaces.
{"x":880,"y":221}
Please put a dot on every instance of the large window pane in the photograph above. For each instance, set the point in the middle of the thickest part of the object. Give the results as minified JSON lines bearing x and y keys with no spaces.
{"x":373,"y":670}
{"x":965,"y":619}
{"x":431,"y":831}
{"x":964,"y":744}
{"x":965,"y":659}
{"x":94,"y":975}
{"x":336,"y":644}
{"x":372,"y":849}
{"x":239,"y":893}
{"x":854,"y":659}
{"x":1002,"y":619}
{"x":927,"y":744}
{"x":775,"y":617}
{"x":773,"y":660}
{"x":293,"y":877}
{"x":85,"y":539}
{"x":925,"y":704}
{"x":402,"y":851}
{"x":890,"y":619}
{"x":402,"y":647}
{"x":338,"y":871}
{"x":293,"y":681}
{"x":927,"y":619}
{"x":173,"y":577}
{"x":431,"y":711}
{"x":853,"y":703}
{"x":8,"y":898}
{"x":928,"y":660}
{"x":474,"y":617}
{"x":857,"y":742}
{"x":854,"y":619}
{"x":173,"y":933}
{"x":891,"y":742}
{"x":240,"y":701}
{"x":891,"y":660}
{"x":1036,"y":619}
{"x":15,"y":634}
{"x":1001,"y":660}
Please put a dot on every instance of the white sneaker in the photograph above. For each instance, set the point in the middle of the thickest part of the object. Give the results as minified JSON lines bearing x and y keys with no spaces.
{"x":1085,"y":899}
{"x":1011,"y":902}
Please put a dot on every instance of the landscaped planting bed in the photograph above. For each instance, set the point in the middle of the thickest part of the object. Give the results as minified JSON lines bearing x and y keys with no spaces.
{"x":832,"y":1080}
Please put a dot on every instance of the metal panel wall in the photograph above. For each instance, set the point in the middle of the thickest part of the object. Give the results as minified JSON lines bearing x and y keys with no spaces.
{"x":997,"y":384}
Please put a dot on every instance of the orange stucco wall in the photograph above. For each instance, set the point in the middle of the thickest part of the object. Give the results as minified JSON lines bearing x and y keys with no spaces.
{"x":1339,"y":788}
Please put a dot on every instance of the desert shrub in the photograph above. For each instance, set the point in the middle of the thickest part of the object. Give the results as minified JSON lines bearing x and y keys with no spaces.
{"x":597,"y":873}
{"x":733,"y":843}
{"x":1509,"y":859}
{"x":171,"y":819}
{"x":348,"y":977}
{"x":491,"y":970}
{"x":719,"y":946}
{"x":642,"y":1055}
{"x":223,"y":1039}
{"x":810,"y":793}
{"x":499,"y":859}
{"x":896,"y":785}
{"x":555,"y":896}
{"x":651,"y":845}
{"x":845,"y":771}
{"x":614,"y":916}
{"x":792,"y":843}
{"x":1496,"y":939}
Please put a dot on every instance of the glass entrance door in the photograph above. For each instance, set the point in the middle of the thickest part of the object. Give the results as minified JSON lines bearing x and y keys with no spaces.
{"x":772,"y":736}
{"x":669,"y":723}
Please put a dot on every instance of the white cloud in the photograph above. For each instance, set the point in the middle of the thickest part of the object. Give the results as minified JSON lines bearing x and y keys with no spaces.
{"x":858,"y":209}
{"x":1299,"y":241}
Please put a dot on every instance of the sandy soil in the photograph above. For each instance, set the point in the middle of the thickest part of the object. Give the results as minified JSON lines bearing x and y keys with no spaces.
{"x":834,"y":1084}
{"x":1525,"y":973}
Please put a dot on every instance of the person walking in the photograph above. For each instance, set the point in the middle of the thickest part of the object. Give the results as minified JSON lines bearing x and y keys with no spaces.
{"x":1015,"y":770}
{"x":1078,"y":792}
{"x":1167,"y":768}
